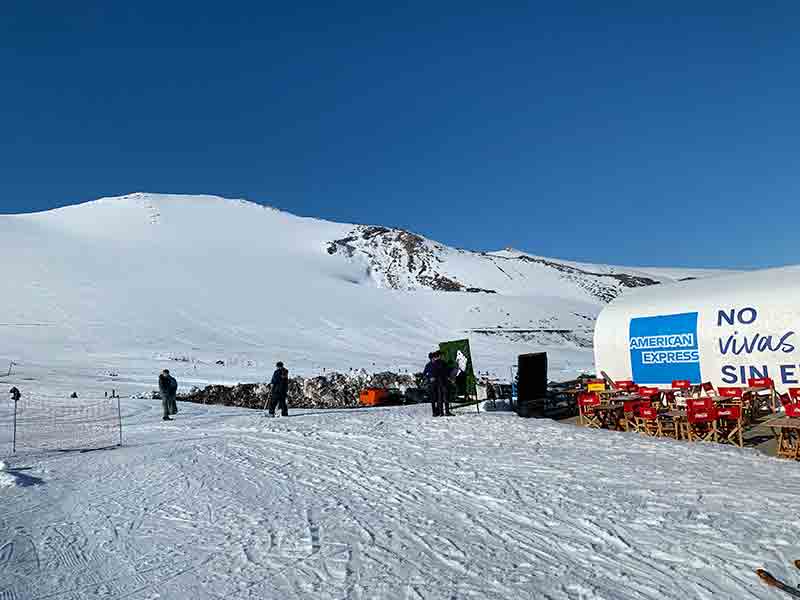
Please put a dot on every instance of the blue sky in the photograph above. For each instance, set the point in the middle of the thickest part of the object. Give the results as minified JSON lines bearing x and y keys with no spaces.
{"x":622,"y":134}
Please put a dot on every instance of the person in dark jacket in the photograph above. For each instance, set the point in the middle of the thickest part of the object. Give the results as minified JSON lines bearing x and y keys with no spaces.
{"x":168,"y":388}
{"x":438,"y":384}
{"x":429,"y":377}
{"x":280,"y":390}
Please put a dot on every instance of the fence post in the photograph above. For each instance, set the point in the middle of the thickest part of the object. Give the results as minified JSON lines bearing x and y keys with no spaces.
{"x":119,"y":415}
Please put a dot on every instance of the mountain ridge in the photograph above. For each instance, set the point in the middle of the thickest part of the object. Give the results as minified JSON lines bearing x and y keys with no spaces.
{"x":155,"y":275}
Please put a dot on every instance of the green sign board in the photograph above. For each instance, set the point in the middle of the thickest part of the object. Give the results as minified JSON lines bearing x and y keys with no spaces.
{"x":459,"y":360}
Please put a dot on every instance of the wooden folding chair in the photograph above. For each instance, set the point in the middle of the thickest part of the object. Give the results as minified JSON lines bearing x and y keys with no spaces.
{"x":764,"y":392}
{"x":587,"y":402}
{"x":630,"y":410}
{"x":792,"y":410}
{"x":701,"y":417}
{"x":788,"y":438}
{"x":699,"y":404}
{"x":681,"y":389}
{"x":736,"y":396}
{"x":731,"y":425}
{"x":794,"y":394}
{"x":647,"y":421}
{"x":670,"y":427}
{"x":651,"y":395}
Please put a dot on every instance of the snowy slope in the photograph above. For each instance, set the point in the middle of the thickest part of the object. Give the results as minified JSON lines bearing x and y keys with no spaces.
{"x":383,"y":503}
{"x":148,"y":277}
{"x":222,"y":503}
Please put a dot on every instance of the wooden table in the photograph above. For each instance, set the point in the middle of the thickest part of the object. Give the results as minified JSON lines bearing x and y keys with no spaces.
{"x":787,"y":432}
{"x":610,"y":414}
{"x":678,"y":415}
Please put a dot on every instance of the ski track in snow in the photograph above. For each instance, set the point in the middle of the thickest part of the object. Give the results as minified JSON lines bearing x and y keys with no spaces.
{"x":390,"y":503}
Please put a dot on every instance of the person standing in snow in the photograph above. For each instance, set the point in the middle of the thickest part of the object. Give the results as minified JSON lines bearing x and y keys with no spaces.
{"x":168,"y":388}
{"x":280,"y":390}
{"x":439,"y":396}
{"x":429,"y":379}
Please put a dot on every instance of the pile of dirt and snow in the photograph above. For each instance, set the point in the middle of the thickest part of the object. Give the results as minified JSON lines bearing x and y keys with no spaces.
{"x":332,"y":390}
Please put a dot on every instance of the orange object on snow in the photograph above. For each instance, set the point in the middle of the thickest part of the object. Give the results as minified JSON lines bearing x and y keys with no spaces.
{"x":373,"y":396}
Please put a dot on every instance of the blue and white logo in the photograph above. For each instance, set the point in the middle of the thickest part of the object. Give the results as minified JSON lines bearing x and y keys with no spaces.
{"x":664,"y":349}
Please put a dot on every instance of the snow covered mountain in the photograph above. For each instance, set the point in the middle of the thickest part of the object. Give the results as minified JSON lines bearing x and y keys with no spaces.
{"x":203,"y":279}
{"x":403,"y":260}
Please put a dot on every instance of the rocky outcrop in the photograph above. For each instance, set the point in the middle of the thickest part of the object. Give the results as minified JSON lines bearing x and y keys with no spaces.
{"x":398,"y":259}
{"x":402,"y":260}
{"x":333,"y":390}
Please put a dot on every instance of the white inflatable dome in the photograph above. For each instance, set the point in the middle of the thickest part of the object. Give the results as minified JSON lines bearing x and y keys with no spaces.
{"x":724,"y":329}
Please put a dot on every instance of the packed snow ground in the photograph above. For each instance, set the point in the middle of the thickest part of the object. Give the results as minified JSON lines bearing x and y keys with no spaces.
{"x":390,"y":503}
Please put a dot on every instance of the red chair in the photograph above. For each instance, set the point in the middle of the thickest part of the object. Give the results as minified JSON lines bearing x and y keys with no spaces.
{"x":647,"y":421}
{"x":737,"y":396}
{"x":764,"y":390}
{"x":699,"y":404}
{"x":623,"y":384}
{"x":669,"y":398}
{"x":651,"y":395}
{"x":682,"y":388}
{"x":587,"y":402}
{"x":701,"y":418}
{"x":630,"y":410}
{"x":788,"y":441}
{"x":708,"y":389}
{"x":627,"y":387}
{"x":791,"y":399}
{"x":731,"y":425}
{"x":792,"y":410}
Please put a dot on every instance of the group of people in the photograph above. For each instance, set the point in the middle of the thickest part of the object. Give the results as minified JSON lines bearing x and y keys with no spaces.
{"x":168,"y":389}
{"x":437,"y":375}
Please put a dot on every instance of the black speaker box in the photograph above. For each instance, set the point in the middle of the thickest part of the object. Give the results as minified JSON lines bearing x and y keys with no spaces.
{"x":532,"y":383}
